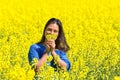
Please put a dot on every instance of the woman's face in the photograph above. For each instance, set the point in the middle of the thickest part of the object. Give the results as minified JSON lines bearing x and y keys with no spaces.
{"x":52,"y":28}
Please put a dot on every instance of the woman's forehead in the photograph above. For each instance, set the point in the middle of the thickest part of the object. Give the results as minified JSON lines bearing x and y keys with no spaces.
{"x":53,"y":25}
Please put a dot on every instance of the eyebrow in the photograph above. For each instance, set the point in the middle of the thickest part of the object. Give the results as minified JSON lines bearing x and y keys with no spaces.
{"x":50,"y":29}
{"x":56,"y":30}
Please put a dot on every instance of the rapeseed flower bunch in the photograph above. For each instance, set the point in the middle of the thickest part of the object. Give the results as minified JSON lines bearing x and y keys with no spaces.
{"x":51,"y":36}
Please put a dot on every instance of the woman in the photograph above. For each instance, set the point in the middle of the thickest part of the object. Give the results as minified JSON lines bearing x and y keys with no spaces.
{"x":55,"y":46}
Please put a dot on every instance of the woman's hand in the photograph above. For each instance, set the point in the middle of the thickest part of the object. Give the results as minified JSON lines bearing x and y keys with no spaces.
{"x":50,"y":45}
{"x":47,"y":48}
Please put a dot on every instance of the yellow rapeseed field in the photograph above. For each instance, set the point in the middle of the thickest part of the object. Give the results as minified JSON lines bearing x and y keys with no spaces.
{"x":92,"y":30}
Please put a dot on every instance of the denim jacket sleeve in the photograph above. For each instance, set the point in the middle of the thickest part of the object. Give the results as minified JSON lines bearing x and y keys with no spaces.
{"x":33,"y":53}
{"x":33,"y":56}
{"x":65,"y":59}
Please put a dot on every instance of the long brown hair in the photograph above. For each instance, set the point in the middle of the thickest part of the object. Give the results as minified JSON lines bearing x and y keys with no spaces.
{"x":60,"y":42}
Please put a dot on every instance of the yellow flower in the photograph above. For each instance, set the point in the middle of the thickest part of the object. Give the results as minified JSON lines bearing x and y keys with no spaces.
{"x":33,"y":63}
{"x":51,"y":36}
{"x":117,"y":78}
{"x":49,"y":58}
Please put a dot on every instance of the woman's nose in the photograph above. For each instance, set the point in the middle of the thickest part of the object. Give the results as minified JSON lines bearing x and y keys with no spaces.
{"x":52,"y":32}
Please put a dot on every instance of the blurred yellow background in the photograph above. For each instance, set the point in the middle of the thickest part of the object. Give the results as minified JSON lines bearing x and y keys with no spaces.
{"x":92,"y":29}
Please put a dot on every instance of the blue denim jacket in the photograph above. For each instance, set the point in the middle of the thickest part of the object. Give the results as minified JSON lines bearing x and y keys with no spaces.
{"x":37,"y":51}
